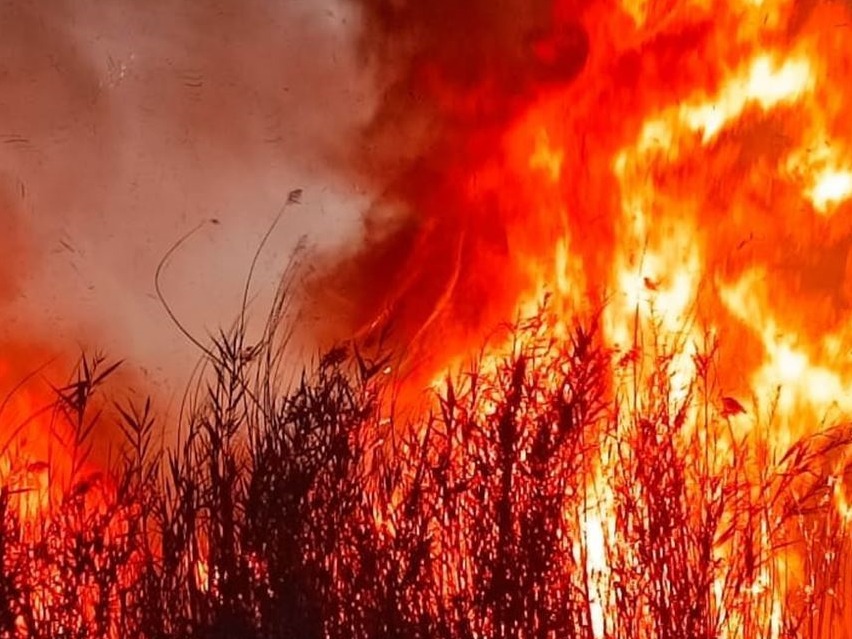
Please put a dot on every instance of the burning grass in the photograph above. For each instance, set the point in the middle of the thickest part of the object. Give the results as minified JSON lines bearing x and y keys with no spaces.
{"x":555,"y":490}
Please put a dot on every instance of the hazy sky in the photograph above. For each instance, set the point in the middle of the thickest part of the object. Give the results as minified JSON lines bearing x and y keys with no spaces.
{"x":123,"y":124}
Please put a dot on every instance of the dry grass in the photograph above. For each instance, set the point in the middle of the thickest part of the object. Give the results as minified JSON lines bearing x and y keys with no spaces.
{"x":308,"y":511}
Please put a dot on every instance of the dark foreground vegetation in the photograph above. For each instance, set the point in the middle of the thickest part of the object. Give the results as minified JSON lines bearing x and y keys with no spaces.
{"x":310,"y":510}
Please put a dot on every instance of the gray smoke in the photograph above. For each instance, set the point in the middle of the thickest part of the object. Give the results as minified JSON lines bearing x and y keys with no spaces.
{"x":124,"y":124}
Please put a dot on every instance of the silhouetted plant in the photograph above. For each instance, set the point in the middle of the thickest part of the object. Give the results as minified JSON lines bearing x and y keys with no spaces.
{"x":554,"y":489}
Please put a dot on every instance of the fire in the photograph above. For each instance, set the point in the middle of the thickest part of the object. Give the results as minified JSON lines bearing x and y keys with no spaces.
{"x":34,"y":464}
{"x":677,"y":174}
{"x":57,"y":503}
{"x":693,"y":182}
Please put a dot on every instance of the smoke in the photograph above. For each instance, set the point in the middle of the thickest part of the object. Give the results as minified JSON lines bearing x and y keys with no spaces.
{"x":128,"y":123}
{"x":11,"y":242}
{"x":125,"y":124}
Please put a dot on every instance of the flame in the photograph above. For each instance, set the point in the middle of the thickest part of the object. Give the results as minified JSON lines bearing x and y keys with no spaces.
{"x":34,"y":463}
{"x":694,"y":182}
{"x":691,"y":183}
{"x":52,"y":490}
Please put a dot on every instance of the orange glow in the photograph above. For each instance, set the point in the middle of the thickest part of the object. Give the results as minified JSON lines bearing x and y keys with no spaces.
{"x":55,"y":491}
{"x":35,"y":462}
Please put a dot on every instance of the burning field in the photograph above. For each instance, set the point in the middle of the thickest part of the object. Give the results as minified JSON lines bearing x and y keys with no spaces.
{"x":586,"y":371}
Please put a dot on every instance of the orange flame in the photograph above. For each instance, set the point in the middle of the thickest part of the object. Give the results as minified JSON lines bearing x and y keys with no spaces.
{"x":694,"y":180}
{"x":52,"y":491}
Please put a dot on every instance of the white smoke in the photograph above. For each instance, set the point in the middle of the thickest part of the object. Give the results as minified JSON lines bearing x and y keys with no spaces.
{"x":124,"y":124}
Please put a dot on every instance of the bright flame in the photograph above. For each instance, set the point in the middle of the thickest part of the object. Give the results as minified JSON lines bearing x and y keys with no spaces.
{"x":712,"y":179}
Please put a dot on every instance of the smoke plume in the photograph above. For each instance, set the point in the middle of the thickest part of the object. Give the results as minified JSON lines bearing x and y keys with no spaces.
{"x":125,"y":124}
